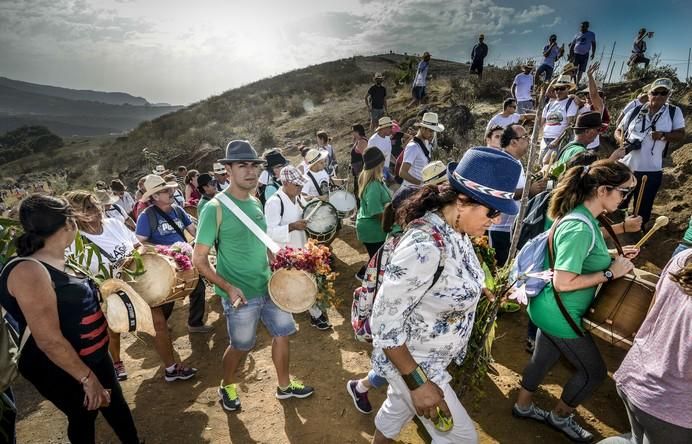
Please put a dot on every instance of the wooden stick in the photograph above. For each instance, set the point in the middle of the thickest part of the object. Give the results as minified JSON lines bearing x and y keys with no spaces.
{"x":313,"y":211}
{"x":661,"y":221}
{"x":640,"y":195}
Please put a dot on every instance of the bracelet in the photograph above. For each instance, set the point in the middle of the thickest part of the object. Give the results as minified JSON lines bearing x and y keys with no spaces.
{"x":624,"y":227}
{"x":415,"y":379}
{"x":85,"y":379}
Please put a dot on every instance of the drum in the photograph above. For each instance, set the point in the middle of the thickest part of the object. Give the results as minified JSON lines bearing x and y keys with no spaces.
{"x":161,"y":282}
{"x":323,"y":221}
{"x":344,"y":202}
{"x":620,"y":307}
{"x":292,"y":290}
{"x":191,"y":210}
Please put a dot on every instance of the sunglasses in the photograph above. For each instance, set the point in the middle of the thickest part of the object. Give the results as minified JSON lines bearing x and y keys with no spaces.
{"x":624,"y":192}
{"x":659,"y":93}
{"x":561,"y":88}
{"x":491,"y":214}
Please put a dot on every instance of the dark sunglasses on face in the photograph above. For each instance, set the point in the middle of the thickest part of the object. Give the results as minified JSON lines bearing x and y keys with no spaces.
{"x":659,"y":93}
{"x":491,"y":214}
{"x":624,"y":192}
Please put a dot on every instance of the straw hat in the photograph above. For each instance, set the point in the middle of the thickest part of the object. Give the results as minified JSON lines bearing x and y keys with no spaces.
{"x":378,"y":76}
{"x":313,"y":156}
{"x":125,"y":310}
{"x":565,"y":80}
{"x":154,"y":184}
{"x":292,"y":290}
{"x":568,"y":68}
{"x":160,"y":170}
{"x":105,"y":197}
{"x":384,"y":122}
{"x":434,"y":173}
{"x":217,"y":168}
{"x":430,"y":121}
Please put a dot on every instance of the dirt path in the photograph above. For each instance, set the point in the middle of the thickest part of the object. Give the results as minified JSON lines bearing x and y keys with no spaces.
{"x":189,"y":412}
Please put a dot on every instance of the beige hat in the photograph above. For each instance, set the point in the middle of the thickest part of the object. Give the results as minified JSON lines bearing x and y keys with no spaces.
{"x":292,"y":290}
{"x":125,"y":309}
{"x":313,"y":156}
{"x":430,"y":121}
{"x":378,"y":75}
{"x":528,"y":64}
{"x":218,"y":168}
{"x":160,"y":170}
{"x":384,"y":122}
{"x":105,"y":197}
{"x":661,"y":83}
{"x":154,"y":184}
{"x":565,"y":80}
{"x":569,"y":67}
{"x":434,"y":173}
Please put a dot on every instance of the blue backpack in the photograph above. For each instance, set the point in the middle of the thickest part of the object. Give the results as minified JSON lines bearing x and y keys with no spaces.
{"x":529,"y":265}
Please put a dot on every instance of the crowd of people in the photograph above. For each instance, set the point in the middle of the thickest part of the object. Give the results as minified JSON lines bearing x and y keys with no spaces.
{"x":422,"y":213}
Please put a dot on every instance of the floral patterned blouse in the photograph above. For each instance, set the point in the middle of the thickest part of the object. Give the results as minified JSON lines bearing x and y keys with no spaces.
{"x":434,"y":323}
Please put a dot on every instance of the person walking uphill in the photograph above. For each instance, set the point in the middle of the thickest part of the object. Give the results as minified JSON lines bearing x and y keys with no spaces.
{"x":242,"y":273}
{"x":424,"y":311}
{"x":376,"y":100}
{"x":581,"y":263}
{"x":478,"y":55}
{"x":66,"y":354}
{"x":420,"y":80}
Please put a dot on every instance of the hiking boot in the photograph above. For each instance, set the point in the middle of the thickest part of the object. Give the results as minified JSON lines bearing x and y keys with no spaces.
{"x":321,"y":323}
{"x":530,"y":345}
{"x":120,"y":371}
{"x":229,"y":397}
{"x":569,"y":427}
{"x":180,"y":372}
{"x":360,"y":400}
{"x":200,"y":328}
{"x":295,"y":389}
{"x":531,"y":412}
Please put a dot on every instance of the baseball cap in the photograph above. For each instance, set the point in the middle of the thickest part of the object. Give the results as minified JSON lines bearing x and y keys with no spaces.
{"x":661,"y":83}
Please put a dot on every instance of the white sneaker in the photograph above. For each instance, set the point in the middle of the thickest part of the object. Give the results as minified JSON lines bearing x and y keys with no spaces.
{"x":569,"y":427}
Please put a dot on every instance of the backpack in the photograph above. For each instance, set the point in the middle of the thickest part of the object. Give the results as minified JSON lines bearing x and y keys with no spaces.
{"x":531,"y":258}
{"x":534,"y":220}
{"x":153,"y":220}
{"x":11,"y":344}
{"x":400,"y":158}
{"x":636,"y":111}
{"x":364,"y":296}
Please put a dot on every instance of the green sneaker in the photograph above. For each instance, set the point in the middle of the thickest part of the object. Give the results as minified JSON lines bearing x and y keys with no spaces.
{"x":229,"y":397}
{"x":295,"y":389}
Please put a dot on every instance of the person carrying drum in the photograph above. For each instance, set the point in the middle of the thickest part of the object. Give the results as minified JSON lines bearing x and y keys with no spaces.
{"x":242,"y":274}
{"x":582,"y":262}
{"x":286,"y":226}
{"x":418,"y":152}
{"x":317,"y":180}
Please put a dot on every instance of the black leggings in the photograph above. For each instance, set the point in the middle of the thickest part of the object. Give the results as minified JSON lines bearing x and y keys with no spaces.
{"x":68,"y":396}
{"x":582,"y":353}
{"x":372,"y":249}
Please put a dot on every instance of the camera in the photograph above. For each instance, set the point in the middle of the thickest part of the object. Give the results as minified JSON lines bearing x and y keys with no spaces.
{"x":632,"y":145}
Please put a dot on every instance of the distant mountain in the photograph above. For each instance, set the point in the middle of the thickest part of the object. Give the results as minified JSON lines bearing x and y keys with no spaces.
{"x":70,"y":112}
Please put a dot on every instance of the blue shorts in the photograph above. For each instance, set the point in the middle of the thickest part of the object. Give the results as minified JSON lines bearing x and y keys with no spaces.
{"x":581,"y":60}
{"x":241,"y":322}
{"x":418,"y":92}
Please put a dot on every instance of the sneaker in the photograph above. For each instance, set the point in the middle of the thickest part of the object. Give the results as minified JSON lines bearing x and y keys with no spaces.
{"x":360,"y":276}
{"x":530,"y":345}
{"x":295,"y":389}
{"x":229,"y":397}
{"x":180,"y":372}
{"x":569,"y":427}
{"x":532,"y":412}
{"x":321,"y":323}
{"x":120,"y":371}
{"x":360,"y":400}
{"x":200,"y":329}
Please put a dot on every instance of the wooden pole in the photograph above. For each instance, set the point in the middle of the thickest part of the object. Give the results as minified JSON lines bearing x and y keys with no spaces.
{"x":687,"y":77}
{"x":534,"y":150}
{"x":622,"y":65}
{"x":612,"y":51}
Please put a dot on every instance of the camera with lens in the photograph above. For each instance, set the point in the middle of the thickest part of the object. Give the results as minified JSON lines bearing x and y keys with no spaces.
{"x":632,"y":145}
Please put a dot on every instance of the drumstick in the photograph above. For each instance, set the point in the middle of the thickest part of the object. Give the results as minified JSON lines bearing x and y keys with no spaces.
{"x":640,"y":196}
{"x":313,"y":211}
{"x":661,"y":221}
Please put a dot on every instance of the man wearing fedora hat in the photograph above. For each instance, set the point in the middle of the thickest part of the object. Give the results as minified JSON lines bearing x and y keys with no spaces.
{"x":522,"y":87}
{"x":417,"y":153}
{"x":478,"y":55}
{"x":420,"y":80}
{"x":382,"y":140}
{"x":558,"y":115}
{"x":551,"y":53}
{"x":376,"y":100}
{"x":585,"y":131}
{"x":241,"y":275}
{"x":221,"y":177}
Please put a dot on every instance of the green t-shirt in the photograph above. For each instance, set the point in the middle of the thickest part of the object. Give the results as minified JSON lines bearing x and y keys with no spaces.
{"x":241,"y":257}
{"x":572,"y":241}
{"x":688,"y":233}
{"x":201,"y":204}
{"x":570,"y":151}
{"x":369,"y":221}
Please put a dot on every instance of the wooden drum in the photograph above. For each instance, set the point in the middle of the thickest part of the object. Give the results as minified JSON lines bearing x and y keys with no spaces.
{"x":620,"y":307}
{"x":162,"y":282}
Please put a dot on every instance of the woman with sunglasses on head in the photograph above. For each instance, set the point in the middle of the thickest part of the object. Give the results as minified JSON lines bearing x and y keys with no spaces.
{"x":581,"y":263}
{"x":66,"y":355}
{"x":424,"y":311}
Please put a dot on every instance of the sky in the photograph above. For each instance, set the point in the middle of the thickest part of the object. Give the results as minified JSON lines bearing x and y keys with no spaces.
{"x":184,"y":51}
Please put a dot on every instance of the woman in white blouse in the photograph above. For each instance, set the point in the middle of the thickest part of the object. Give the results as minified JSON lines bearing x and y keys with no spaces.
{"x":424,"y":310}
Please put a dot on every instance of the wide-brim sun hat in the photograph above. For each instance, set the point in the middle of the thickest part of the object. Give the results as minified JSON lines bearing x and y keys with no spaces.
{"x":565,"y":80}
{"x":125,"y":310}
{"x":434,"y":173}
{"x":488,"y":176}
{"x":160,"y":170}
{"x":372,"y":158}
{"x":217,"y":168}
{"x":588,"y":120}
{"x":528,"y":64}
{"x":430,"y":121}
{"x":104,"y":197}
{"x":384,"y":122}
{"x":155,"y":184}
{"x":314,"y":155}
{"x":569,"y":67}
{"x":275,"y":158}
{"x":240,"y":151}
{"x":378,"y":76}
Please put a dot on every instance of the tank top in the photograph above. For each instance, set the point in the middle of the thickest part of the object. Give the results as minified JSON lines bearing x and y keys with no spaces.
{"x":81,"y":320}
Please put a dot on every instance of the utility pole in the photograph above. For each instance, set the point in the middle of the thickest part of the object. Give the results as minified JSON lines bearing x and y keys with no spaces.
{"x":687,"y":77}
{"x":622,"y":65}
{"x":612,"y":51}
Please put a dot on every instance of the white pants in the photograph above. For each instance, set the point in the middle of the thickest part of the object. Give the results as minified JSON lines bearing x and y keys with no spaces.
{"x":398,"y":409}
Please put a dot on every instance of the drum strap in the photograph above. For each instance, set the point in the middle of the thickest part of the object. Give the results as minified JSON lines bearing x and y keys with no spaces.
{"x":253,"y":227}
{"x":607,"y":224}
{"x":314,"y":182}
{"x":558,"y":299}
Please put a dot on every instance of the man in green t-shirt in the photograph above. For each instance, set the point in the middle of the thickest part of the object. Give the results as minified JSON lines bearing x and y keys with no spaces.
{"x":585,"y":131}
{"x":242,"y":274}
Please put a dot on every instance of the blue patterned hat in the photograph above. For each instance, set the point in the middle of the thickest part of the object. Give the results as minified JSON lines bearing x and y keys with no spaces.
{"x":488,"y":176}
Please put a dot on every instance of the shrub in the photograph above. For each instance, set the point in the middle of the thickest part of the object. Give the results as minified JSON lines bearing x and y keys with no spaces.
{"x":295,"y":107}
{"x":266,"y":138}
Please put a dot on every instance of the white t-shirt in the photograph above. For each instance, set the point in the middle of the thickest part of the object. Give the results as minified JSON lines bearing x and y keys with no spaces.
{"x":630,"y":106}
{"x":414,"y":156}
{"x":116,"y":240}
{"x":650,"y":157}
{"x":556,"y":115}
{"x":384,"y":144}
{"x":264,"y":177}
{"x":303,"y":167}
{"x":277,"y":226}
{"x":126,"y":202}
{"x":506,"y":221}
{"x":321,"y":178}
{"x":116,"y":212}
{"x":524,"y":84}
{"x":500,"y":120}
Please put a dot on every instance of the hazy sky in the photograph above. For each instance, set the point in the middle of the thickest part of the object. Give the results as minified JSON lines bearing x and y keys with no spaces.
{"x":183,"y":51}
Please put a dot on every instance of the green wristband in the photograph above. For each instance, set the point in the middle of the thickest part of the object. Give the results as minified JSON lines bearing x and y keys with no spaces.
{"x":415,"y":379}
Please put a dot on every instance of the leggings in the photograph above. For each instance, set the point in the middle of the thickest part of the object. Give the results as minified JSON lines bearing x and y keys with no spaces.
{"x":646,"y":429}
{"x":590,"y":370}
{"x":372,"y":249}
{"x":68,"y":396}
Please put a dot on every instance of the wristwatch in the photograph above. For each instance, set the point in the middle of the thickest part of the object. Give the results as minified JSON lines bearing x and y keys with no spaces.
{"x":608,"y":274}
{"x":415,"y":379}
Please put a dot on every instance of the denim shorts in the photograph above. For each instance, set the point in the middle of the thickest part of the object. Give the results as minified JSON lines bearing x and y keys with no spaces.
{"x":418,"y":92}
{"x":241,"y":322}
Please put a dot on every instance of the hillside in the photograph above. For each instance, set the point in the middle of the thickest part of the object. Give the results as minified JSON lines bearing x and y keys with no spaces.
{"x":72,"y":112}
